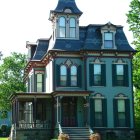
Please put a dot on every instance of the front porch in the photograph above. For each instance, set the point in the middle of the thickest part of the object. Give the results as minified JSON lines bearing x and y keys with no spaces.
{"x":32,"y":111}
{"x":38,"y":114}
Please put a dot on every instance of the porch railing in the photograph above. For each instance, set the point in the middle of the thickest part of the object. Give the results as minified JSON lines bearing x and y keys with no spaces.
{"x":60,"y":128}
{"x":90,"y":130}
{"x":37,"y":124}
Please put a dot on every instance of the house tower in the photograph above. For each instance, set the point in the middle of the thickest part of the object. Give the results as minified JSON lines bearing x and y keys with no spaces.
{"x":65,"y":20}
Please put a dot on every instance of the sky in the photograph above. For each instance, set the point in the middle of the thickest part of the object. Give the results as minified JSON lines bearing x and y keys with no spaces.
{"x":27,"y":20}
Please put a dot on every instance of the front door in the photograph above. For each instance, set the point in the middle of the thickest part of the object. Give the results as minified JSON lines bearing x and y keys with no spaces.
{"x":69,"y":109}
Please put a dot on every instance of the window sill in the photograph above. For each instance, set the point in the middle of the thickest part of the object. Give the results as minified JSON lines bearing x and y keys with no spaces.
{"x":67,"y":38}
{"x":97,"y":86}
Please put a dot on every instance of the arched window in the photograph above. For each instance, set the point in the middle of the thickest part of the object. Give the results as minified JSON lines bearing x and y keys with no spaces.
{"x":73,"y":75}
{"x":72,"y":28}
{"x":63,"y":75}
{"x":62,"y":27}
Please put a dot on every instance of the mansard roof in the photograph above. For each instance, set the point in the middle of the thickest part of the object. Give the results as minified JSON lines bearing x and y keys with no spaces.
{"x":41,"y":49}
{"x":67,"y":4}
{"x":90,"y":39}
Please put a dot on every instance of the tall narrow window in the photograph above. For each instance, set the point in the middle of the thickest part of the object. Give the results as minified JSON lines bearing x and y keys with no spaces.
{"x":108,"y":40}
{"x":120,"y":74}
{"x":39,"y":82}
{"x":97,"y":74}
{"x":63,"y":75}
{"x":62,"y":27}
{"x":121,"y":112}
{"x":73,"y":72}
{"x":72,"y":28}
{"x":98,"y":113}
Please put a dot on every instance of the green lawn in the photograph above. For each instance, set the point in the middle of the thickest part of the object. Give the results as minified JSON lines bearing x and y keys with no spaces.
{"x":3,"y":138}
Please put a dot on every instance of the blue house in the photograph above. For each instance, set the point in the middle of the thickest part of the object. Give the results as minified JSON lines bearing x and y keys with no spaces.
{"x":79,"y":81}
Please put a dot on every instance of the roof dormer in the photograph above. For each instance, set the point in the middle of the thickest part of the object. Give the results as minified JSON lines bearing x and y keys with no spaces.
{"x":108,"y":36}
{"x":65,"y":20}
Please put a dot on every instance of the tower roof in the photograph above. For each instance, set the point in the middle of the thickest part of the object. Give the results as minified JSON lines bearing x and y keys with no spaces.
{"x":66,"y":6}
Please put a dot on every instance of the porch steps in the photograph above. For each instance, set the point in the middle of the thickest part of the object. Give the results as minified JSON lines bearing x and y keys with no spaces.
{"x":77,"y":133}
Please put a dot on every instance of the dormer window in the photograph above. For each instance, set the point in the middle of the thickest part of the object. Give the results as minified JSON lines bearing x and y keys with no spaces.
{"x":67,"y":27}
{"x":72,"y":28}
{"x":62,"y":27}
{"x":108,"y":36}
{"x":108,"y":40}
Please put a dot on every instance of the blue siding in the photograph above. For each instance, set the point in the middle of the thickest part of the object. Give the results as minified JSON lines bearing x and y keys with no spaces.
{"x":6,"y":121}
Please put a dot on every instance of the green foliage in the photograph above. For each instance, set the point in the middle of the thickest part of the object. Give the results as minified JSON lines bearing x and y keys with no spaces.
{"x":11,"y":78}
{"x":133,"y":19}
{"x":137,"y":104}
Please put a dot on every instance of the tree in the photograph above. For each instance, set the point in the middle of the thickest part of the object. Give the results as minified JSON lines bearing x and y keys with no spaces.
{"x":11,"y":78}
{"x":133,"y":19}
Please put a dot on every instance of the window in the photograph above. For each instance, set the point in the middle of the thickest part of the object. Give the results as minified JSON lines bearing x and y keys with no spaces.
{"x":73,"y":71}
{"x":120,"y":75}
{"x":98,"y":111}
{"x":39,"y":82}
{"x":121,"y":112}
{"x":62,"y":27}
{"x":72,"y":28}
{"x":108,"y":40}
{"x":97,"y":74}
{"x":68,"y":76}
{"x":63,"y":75}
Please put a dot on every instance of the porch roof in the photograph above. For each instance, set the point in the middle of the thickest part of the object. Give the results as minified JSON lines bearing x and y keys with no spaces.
{"x":71,"y":93}
{"x":29,"y":95}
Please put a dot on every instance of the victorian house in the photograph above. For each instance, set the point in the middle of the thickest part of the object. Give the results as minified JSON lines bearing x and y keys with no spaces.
{"x":79,"y":81}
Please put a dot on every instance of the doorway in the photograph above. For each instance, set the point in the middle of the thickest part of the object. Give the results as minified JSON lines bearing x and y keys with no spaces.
{"x":69,"y":111}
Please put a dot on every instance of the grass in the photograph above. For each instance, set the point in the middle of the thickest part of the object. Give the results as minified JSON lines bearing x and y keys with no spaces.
{"x":3,"y":138}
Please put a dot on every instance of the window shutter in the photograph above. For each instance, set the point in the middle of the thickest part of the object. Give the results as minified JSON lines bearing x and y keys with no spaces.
{"x":79,"y":76}
{"x":115,"y":110}
{"x":32,"y":83}
{"x":126,"y":76}
{"x":43,"y":82}
{"x":57,"y":75}
{"x":35,"y":82}
{"x":91,"y":73}
{"x":92,"y":110}
{"x":29,"y":84}
{"x":68,"y":77}
{"x":103,"y":75}
{"x":113,"y":74}
{"x":104,"y":117}
{"x":127,"y":112}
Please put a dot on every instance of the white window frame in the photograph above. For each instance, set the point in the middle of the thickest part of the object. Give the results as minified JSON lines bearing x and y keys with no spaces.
{"x":109,"y":28}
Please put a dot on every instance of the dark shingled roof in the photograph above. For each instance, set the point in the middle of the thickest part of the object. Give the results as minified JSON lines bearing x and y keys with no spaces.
{"x":67,"y":4}
{"x":90,"y":38}
{"x":41,"y":49}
